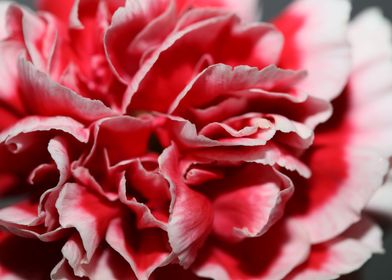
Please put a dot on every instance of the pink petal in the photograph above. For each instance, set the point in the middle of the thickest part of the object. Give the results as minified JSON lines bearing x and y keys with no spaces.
{"x":60,"y":154}
{"x":105,"y":263}
{"x":372,"y":63}
{"x":271,"y":256}
{"x":43,"y":96}
{"x":136,"y":30}
{"x":144,"y":250}
{"x":34,"y":124}
{"x":248,"y":9}
{"x":63,"y":271}
{"x":380,"y":204}
{"x":321,"y":202}
{"x":269,"y":154}
{"x":257,"y":129}
{"x":317,"y":44}
{"x":38,"y":34}
{"x":87,"y":212}
{"x":360,"y":163}
{"x":145,"y":217}
{"x":4,"y":5}
{"x":29,"y":217}
{"x":191,"y":213}
{"x":146,"y":191}
{"x":9,"y":88}
{"x":342,"y":255}
{"x":253,"y":198}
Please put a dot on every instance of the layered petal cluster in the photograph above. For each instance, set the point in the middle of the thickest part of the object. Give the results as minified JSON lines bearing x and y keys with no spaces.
{"x":163,"y":139}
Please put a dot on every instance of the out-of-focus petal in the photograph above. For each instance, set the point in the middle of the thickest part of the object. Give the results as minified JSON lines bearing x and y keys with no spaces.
{"x":370,"y":86}
{"x":321,"y":204}
{"x":247,"y":9}
{"x":4,"y":5}
{"x":317,"y":44}
{"x":343,"y":254}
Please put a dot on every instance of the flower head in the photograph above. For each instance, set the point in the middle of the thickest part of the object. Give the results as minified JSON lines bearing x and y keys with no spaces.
{"x":158,"y":139}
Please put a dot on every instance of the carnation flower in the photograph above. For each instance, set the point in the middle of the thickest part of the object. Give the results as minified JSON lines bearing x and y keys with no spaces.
{"x":162,"y":139}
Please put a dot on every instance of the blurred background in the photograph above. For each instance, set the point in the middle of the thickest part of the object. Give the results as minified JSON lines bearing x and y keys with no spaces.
{"x":379,"y":267}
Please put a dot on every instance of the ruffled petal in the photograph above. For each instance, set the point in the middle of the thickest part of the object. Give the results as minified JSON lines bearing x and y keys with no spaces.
{"x":137,"y":30}
{"x":201,"y":38}
{"x":105,"y":263}
{"x":191,"y":213}
{"x":88,"y":213}
{"x":43,"y":96}
{"x":252,"y":201}
{"x":144,"y":250}
{"x":268,"y":90}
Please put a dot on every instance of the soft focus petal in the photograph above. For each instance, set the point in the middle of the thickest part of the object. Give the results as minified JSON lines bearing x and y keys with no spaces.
{"x":317,"y":44}
{"x":322,"y":203}
{"x":341,"y":255}
{"x":370,"y":86}
{"x":380,"y":204}
{"x":4,"y":5}
{"x":247,"y":9}
{"x":360,"y":163}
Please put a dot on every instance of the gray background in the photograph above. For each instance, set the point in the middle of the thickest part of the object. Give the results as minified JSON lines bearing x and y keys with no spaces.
{"x":380,"y":267}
